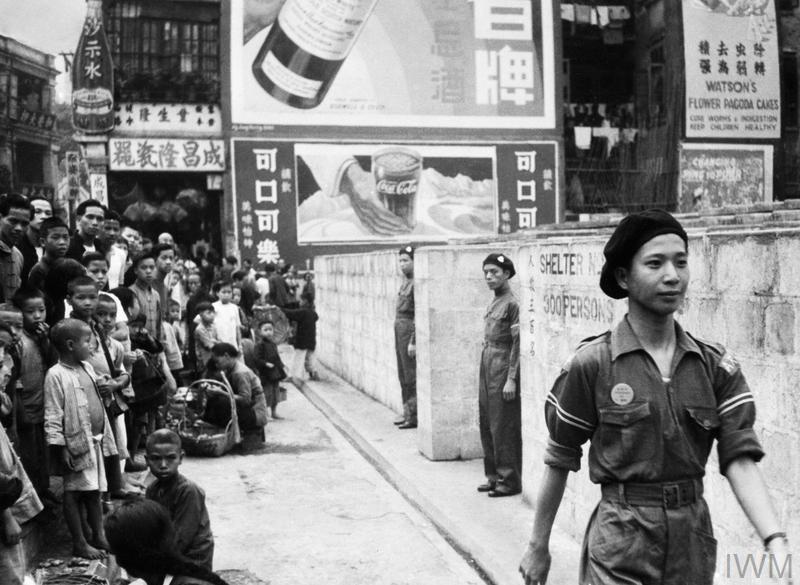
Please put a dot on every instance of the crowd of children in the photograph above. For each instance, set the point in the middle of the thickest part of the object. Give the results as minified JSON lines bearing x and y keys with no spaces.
{"x":94,"y":340}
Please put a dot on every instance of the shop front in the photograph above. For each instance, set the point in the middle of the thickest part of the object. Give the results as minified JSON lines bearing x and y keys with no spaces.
{"x":166,"y":163}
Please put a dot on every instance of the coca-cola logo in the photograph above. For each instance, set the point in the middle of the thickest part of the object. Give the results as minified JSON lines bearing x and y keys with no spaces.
{"x":397,"y":187}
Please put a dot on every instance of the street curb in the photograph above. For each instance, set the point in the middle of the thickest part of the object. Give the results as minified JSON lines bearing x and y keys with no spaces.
{"x":463,"y":544}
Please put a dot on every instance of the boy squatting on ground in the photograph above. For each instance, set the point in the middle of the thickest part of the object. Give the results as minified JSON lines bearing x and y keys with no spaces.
{"x":18,"y":500}
{"x":79,"y":433}
{"x":184,"y":499}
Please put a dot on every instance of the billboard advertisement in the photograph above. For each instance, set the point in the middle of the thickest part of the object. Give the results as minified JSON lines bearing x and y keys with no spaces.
{"x":289,"y":195}
{"x":722,"y":175}
{"x":732,"y":73}
{"x":393,"y":63}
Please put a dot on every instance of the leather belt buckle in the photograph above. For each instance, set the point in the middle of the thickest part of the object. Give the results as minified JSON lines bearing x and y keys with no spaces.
{"x":671,"y":495}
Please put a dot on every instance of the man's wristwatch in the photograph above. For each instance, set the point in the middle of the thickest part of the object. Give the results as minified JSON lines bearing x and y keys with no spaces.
{"x":773,"y":536}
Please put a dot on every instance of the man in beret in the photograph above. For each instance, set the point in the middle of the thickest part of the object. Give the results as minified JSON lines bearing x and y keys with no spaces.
{"x":405,"y":340}
{"x":651,"y":399}
{"x":498,"y":388}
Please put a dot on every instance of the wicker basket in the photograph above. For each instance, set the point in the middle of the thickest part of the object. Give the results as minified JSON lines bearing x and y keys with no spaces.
{"x":202,"y":439}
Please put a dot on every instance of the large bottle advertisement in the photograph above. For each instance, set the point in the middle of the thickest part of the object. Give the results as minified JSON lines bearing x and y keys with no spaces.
{"x":393,"y":63}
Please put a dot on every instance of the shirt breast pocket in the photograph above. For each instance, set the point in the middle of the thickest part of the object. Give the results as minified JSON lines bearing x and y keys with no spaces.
{"x":628,"y":434}
{"x":703,"y":424}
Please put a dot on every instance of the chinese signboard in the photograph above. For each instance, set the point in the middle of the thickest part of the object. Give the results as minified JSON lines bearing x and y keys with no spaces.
{"x":138,"y":118}
{"x":163,"y":154}
{"x":36,"y":119}
{"x":717,"y":175}
{"x":528,"y":185}
{"x":732,"y":75}
{"x":264,"y":199}
{"x":99,"y":186}
{"x":416,"y":63}
{"x":93,"y":76}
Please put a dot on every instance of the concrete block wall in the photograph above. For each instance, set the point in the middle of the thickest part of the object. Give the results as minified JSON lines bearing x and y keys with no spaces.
{"x":356,"y":301}
{"x":356,"y":336}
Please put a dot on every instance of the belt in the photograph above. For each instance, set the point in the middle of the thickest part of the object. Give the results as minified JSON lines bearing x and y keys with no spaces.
{"x":502,"y":344}
{"x":663,"y":495}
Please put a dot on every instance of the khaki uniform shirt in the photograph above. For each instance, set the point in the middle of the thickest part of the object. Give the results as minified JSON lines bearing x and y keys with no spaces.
{"x":642,"y":427}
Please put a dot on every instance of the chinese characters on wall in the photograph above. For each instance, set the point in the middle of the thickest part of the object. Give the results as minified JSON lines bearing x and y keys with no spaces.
{"x":163,"y":154}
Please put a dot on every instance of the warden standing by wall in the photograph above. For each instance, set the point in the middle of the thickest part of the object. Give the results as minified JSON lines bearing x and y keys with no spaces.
{"x":498,"y":399}
{"x":405,"y":340}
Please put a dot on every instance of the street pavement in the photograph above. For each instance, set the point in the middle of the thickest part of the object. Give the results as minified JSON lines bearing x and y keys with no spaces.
{"x":492,"y":532}
{"x":308,"y":508}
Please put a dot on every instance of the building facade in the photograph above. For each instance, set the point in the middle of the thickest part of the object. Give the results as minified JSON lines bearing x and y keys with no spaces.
{"x":28,"y":141}
{"x":165,"y":158}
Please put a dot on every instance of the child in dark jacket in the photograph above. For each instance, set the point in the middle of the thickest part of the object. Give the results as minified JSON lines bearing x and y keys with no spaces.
{"x":268,"y":365}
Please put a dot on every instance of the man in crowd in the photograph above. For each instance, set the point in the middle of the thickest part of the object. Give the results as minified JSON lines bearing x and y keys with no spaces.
{"x":29,"y":244}
{"x":90,"y":214}
{"x":15,"y":215}
{"x":111,"y":228}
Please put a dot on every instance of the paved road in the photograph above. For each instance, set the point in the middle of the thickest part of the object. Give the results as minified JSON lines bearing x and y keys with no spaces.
{"x":309,"y":509}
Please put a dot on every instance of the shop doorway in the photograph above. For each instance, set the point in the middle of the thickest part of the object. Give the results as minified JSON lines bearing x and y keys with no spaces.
{"x":177,"y":203}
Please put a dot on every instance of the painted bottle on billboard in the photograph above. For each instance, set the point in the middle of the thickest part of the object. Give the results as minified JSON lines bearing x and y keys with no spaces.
{"x":397,"y":173}
{"x":307,"y":46}
{"x":93,"y":76}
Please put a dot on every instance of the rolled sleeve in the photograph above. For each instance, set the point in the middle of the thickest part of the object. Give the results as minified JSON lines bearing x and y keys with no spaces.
{"x":570,"y":415}
{"x":561,"y":456}
{"x":741,"y":443}
{"x":737,"y":413}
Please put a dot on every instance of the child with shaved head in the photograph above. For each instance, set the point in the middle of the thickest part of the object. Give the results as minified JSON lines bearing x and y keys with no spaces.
{"x":78,"y":433}
{"x":184,"y":499}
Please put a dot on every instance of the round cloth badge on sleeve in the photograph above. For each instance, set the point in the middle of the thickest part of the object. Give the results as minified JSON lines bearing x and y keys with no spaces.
{"x":622,"y":394}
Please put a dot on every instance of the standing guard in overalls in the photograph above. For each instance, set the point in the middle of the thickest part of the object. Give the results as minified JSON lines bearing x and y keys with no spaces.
{"x":651,"y":399}
{"x":405,"y":341}
{"x":498,"y":397}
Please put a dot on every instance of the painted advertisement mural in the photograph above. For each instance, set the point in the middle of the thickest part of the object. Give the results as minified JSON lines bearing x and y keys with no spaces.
{"x":732,"y":72}
{"x":720,"y":175}
{"x":291,"y":195}
{"x":393,"y":63}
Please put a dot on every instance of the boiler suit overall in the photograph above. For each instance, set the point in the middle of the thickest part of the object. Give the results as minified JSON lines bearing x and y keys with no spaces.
{"x":403,"y":335}
{"x":650,"y":440}
{"x":500,"y":423}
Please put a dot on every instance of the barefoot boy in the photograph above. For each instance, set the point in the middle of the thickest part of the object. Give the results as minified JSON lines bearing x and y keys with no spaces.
{"x":184,"y":499}
{"x":79,"y":433}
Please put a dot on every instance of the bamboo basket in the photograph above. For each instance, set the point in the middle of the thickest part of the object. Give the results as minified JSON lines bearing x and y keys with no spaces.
{"x":203,"y":439}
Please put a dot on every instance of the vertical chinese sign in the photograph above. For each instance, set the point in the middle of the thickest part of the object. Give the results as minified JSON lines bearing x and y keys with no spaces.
{"x":93,"y":76}
{"x":732,"y":74}
{"x":528,"y":185}
{"x":264,"y":200}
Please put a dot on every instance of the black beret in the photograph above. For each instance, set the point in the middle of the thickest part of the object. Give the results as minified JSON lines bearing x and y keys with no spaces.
{"x":408,"y":251}
{"x":632,"y":233}
{"x":501,"y":260}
